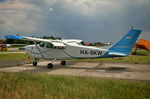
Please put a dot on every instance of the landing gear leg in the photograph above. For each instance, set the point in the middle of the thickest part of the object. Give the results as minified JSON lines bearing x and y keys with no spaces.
{"x":63,"y":63}
{"x":50,"y":65}
{"x":34,"y":63}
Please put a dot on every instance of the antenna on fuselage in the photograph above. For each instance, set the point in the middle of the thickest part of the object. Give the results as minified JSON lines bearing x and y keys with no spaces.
{"x":132,"y":27}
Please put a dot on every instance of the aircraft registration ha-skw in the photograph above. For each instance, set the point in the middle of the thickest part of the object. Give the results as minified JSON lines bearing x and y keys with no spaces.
{"x":73,"y":49}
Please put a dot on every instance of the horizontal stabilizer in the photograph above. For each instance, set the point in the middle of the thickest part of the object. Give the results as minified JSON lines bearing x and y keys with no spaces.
{"x":117,"y":54}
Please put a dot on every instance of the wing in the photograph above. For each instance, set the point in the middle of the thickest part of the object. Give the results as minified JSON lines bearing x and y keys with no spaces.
{"x":54,"y":42}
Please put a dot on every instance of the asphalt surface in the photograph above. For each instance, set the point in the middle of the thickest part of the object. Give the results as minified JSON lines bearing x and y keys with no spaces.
{"x":8,"y":63}
{"x":88,"y":69}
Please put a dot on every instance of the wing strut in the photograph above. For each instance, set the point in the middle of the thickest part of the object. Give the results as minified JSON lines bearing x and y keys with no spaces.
{"x":39,"y":50}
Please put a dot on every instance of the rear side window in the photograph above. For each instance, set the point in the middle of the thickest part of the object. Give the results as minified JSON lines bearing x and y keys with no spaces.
{"x":42,"y":44}
{"x":49,"y":45}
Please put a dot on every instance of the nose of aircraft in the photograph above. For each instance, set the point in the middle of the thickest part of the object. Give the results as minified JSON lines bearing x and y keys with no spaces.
{"x":28,"y":47}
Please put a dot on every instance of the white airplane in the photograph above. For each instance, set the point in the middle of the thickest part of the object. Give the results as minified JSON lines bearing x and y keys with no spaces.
{"x":73,"y":49}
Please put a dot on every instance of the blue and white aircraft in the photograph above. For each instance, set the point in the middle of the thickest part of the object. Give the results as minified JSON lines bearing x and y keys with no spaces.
{"x":73,"y":49}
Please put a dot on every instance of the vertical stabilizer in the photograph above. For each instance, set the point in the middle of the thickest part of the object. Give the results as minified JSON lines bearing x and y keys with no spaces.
{"x":126,"y":43}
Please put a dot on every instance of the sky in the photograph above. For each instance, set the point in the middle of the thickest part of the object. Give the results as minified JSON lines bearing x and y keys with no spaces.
{"x":89,"y":20}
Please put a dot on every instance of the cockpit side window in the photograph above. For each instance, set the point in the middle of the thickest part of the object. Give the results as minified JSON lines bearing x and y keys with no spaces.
{"x":49,"y":45}
{"x":42,"y":44}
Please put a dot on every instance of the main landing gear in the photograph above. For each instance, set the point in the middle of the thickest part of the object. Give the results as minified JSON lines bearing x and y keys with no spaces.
{"x":49,"y":65}
{"x":63,"y":63}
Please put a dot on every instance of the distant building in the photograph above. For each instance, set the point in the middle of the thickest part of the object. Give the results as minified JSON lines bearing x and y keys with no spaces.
{"x":87,"y":43}
{"x":1,"y":42}
{"x":108,"y":44}
{"x":101,"y":44}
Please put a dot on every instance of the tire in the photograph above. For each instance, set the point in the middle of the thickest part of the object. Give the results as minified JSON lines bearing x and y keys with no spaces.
{"x":63,"y":62}
{"x":50,"y":66}
{"x":34,"y":63}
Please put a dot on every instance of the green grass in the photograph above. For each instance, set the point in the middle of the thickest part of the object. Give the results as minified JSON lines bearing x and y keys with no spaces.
{"x":13,"y":56}
{"x":142,"y":57}
{"x":129,"y":59}
{"x":42,"y":86}
{"x":143,"y":52}
{"x":12,"y":51}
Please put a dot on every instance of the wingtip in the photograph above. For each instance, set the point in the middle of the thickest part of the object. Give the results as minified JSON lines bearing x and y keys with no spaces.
{"x":13,"y":37}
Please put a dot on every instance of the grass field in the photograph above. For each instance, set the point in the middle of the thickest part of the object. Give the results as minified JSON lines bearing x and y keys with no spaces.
{"x":136,"y":59}
{"x":142,"y":57}
{"x":42,"y":86}
{"x":143,"y":52}
{"x":12,"y":56}
{"x":129,"y":59}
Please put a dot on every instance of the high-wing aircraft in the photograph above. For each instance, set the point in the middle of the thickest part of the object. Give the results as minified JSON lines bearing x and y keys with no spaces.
{"x":73,"y":49}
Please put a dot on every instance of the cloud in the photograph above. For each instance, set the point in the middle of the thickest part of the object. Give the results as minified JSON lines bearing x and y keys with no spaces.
{"x":91,"y":20}
{"x":16,"y":16}
{"x":2,"y":0}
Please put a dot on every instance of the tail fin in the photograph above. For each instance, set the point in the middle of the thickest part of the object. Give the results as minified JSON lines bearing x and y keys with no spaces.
{"x":126,"y":43}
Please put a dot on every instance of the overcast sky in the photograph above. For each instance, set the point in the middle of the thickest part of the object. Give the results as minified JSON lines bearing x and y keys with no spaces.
{"x":90,"y":20}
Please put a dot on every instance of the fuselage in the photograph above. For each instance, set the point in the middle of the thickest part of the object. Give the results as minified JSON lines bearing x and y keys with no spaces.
{"x":70,"y":51}
{"x":73,"y":49}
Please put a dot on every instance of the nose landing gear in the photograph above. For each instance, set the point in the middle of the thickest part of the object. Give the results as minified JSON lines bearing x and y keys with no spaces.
{"x":50,"y":66}
{"x":34,"y":63}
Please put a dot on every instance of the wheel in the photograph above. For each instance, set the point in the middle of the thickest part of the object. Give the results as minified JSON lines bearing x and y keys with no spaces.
{"x":63,"y":62}
{"x":34,"y":63}
{"x":50,"y":66}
